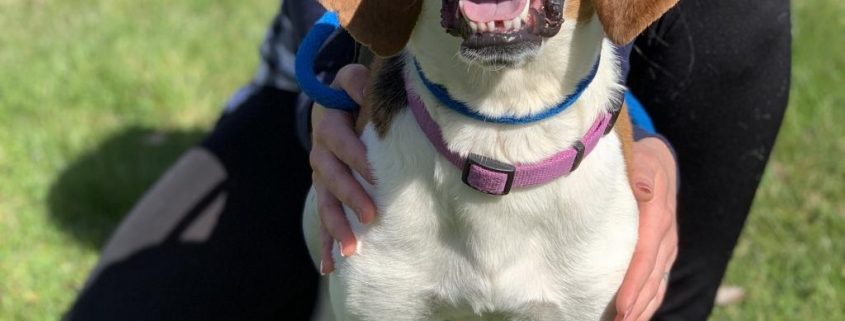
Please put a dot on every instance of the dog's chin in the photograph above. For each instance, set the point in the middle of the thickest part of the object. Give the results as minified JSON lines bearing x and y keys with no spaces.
{"x":498,"y":51}
{"x":503,"y":44}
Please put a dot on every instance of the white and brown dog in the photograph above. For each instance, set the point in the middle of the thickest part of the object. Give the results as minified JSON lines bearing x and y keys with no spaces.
{"x":557,"y":246}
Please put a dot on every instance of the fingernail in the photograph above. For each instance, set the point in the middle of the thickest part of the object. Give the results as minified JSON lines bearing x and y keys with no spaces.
{"x":340,"y":246}
{"x":628,"y":313}
{"x":644,"y":187}
{"x":366,"y":220}
{"x":360,"y":214}
{"x":370,"y":176}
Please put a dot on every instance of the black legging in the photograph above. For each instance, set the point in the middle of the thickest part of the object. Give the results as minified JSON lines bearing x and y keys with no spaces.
{"x":714,"y":75}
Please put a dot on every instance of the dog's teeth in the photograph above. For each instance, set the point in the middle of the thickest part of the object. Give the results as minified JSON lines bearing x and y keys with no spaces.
{"x":482,"y":27}
{"x":524,"y":14}
{"x":508,"y":25}
{"x":473,"y":26}
{"x":517,"y":23}
{"x":491,"y":26}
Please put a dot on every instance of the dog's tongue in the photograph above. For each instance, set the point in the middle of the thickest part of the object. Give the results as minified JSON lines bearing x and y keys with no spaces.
{"x":492,"y":10}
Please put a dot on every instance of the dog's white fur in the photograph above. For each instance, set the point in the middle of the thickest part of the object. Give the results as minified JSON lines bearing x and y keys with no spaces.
{"x":440,"y":250}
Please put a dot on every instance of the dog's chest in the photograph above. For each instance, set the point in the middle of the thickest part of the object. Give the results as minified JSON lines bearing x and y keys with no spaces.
{"x":471,"y":256}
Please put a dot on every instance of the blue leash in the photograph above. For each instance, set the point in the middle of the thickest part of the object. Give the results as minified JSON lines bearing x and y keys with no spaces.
{"x":305,"y":58}
{"x":639,"y":117}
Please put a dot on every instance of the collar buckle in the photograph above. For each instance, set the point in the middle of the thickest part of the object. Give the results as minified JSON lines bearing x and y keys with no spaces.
{"x":488,"y":175}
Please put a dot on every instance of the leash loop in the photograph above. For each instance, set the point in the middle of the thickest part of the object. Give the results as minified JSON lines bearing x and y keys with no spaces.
{"x":306,"y":56}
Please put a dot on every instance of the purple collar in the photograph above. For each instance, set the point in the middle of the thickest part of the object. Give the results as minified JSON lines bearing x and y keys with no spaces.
{"x":496,"y":178}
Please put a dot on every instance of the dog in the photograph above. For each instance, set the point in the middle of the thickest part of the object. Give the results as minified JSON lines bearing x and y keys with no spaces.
{"x":459,"y":235}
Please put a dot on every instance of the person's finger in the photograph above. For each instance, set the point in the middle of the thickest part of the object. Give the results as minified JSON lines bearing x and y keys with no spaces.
{"x":642,"y":264}
{"x":353,"y":79}
{"x":655,"y":303}
{"x":643,"y":173}
{"x":649,"y":290}
{"x":673,"y":239}
{"x":651,"y":234}
{"x":657,"y":222}
{"x":654,"y":190}
{"x":336,"y":178}
{"x":326,"y":260}
{"x":333,"y":218}
{"x":335,"y":132}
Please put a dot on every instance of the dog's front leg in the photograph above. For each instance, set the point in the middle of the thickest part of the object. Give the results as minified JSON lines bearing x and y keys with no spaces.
{"x":371,"y":285}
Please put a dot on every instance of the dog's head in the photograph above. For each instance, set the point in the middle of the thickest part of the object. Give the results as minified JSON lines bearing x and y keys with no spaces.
{"x":495,"y":33}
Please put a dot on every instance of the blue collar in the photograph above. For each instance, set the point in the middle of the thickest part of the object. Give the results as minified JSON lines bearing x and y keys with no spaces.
{"x":443,"y":96}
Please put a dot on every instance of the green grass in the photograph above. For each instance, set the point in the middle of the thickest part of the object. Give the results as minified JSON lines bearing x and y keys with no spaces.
{"x":97,"y":97}
{"x":791,"y":257}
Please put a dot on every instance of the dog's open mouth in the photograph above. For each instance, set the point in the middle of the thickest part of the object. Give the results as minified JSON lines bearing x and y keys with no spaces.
{"x":501,"y":23}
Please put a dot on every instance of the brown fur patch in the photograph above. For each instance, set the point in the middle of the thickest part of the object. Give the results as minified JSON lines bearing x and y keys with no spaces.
{"x":578,"y":10}
{"x":386,"y":94}
{"x":623,"y":20}
{"x":625,"y":130}
{"x":382,"y":25}
{"x":365,"y":57}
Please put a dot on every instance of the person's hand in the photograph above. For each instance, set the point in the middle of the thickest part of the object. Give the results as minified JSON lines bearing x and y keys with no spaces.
{"x":337,"y":151}
{"x":653,"y":180}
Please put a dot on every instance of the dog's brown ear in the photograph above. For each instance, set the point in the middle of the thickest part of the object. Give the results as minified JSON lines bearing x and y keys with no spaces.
{"x":623,"y":20}
{"x":382,"y":25}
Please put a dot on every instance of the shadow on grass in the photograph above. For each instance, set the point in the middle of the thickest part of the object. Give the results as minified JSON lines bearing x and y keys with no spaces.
{"x":89,"y":198}
{"x":249,"y":262}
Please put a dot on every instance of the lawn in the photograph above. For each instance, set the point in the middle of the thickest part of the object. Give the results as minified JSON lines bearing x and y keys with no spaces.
{"x":791,"y":257}
{"x":97,"y":97}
